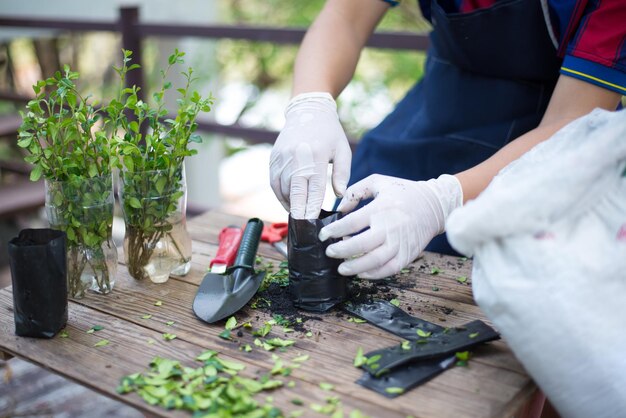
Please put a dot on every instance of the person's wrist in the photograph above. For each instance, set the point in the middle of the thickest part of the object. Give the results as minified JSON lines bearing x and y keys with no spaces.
{"x":449,"y":194}
{"x":312,"y":100}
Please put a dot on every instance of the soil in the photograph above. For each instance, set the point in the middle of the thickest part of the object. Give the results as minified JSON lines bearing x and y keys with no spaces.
{"x":361,"y":291}
{"x":281,"y":304}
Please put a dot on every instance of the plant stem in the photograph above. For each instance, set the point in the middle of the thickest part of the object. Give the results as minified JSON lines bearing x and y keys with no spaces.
{"x":76,"y":265}
{"x":141,"y":247}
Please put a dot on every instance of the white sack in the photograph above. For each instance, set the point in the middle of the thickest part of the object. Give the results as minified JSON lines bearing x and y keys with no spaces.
{"x":548,"y":238}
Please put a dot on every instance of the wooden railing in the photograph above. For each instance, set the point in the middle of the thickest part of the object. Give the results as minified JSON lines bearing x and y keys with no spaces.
{"x":133,"y":31}
{"x":24,"y":195}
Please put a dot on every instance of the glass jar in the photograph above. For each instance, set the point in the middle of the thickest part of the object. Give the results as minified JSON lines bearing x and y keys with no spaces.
{"x":83,"y":208}
{"x":156,"y":241}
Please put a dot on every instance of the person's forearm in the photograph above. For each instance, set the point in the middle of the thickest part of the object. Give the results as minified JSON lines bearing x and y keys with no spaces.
{"x":330,"y":50}
{"x":476,"y":179}
{"x":571,"y":99}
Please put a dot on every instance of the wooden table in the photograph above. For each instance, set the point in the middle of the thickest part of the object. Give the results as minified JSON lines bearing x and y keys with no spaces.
{"x":494,"y":383}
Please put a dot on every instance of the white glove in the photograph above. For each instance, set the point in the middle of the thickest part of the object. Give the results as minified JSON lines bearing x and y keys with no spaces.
{"x":311,"y":139}
{"x":402,"y":219}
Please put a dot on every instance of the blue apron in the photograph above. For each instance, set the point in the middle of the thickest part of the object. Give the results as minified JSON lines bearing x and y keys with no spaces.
{"x":488,"y":79}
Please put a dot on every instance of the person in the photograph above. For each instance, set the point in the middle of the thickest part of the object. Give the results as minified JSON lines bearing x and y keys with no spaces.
{"x":501,"y":76}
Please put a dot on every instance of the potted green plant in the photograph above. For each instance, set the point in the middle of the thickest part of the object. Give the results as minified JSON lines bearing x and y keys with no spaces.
{"x":67,"y":143}
{"x":151,"y":156}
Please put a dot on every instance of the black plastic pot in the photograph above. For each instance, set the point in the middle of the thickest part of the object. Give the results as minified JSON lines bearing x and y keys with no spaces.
{"x":314,"y":283}
{"x":39,"y":275}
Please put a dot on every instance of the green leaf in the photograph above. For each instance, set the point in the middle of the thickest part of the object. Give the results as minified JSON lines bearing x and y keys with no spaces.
{"x":406,"y":345}
{"x":129,"y":163}
{"x":360,"y":359}
{"x":231,"y":323}
{"x":147,"y":316}
{"x":169,"y":337}
{"x":394,"y":390}
{"x":473,"y":335}
{"x":279,"y":342}
{"x":265,"y":346}
{"x":25,"y":142}
{"x":373,"y":359}
{"x":225,"y":335}
{"x":158,"y":303}
{"x":423,"y":334}
{"x":36,"y":173}
{"x":327,"y":386}
{"x":356,"y":320}
{"x":262,"y":332}
{"x":92,"y":170}
{"x":134,"y":202}
{"x":461,"y":279}
{"x":101,"y":343}
{"x":70,"y":234}
{"x":94,"y":329}
{"x":462,"y":355}
{"x":301,"y":359}
{"x":63,"y":334}
{"x":195,"y":138}
{"x":170,"y":323}
{"x":206,"y":355}
{"x":232,"y":365}
{"x":435,"y":270}
{"x":395,"y":302}
{"x":160,"y":184}
{"x":58,"y":200}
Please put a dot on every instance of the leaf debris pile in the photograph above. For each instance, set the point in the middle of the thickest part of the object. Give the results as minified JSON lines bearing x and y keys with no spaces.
{"x":213,"y":389}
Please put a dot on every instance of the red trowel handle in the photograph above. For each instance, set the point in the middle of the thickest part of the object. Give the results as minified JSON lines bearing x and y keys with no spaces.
{"x":229,"y":239}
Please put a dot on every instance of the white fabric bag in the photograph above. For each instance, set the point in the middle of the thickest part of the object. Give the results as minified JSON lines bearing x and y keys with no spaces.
{"x":548,"y":238}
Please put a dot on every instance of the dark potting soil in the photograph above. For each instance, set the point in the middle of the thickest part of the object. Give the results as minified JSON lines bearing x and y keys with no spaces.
{"x":365,"y":292}
{"x":275,"y":300}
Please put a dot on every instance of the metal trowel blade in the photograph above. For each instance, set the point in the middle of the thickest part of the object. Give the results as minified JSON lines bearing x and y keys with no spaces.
{"x":220,"y":296}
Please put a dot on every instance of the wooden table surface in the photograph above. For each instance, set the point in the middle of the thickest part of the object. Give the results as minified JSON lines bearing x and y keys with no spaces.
{"x":494,"y":384}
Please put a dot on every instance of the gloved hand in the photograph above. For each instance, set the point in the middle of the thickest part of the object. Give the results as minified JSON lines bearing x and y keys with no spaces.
{"x":312,"y":138}
{"x":402,"y":219}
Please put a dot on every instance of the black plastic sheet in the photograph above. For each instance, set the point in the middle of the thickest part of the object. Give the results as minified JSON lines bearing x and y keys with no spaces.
{"x":398,"y":369}
{"x":405,"y":378}
{"x":435,"y":345}
{"x":39,"y":275}
{"x":391,"y":318}
{"x":314,"y":283}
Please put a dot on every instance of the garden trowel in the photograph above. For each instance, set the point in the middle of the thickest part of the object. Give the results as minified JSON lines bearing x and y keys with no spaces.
{"x":221,"y":295}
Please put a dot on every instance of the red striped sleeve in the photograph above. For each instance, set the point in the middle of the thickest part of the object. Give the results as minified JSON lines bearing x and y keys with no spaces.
{"x":601,"y":34}
{"x":596,"y":51}
{"x":467,"y":6}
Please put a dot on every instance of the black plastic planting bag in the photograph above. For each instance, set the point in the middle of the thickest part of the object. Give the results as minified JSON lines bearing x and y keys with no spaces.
{"x":314,"y":283}
{"x":39,"y":275}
